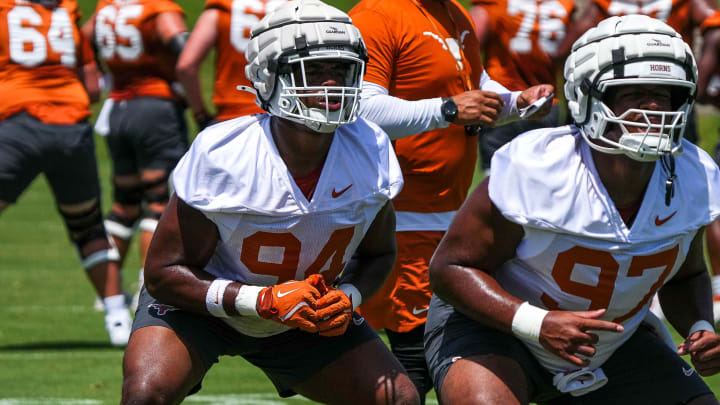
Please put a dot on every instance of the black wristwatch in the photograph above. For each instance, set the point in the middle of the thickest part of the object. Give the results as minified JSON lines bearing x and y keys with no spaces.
{"x":449,"y":109}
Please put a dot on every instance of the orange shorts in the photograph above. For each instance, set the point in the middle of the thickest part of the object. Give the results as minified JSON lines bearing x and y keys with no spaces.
{"x":402,"y":302}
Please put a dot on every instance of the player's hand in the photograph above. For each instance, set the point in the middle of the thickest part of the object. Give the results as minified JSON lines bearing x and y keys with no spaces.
{"x":703,"y":347}
{"x":567,"y":334}
{"x":334,"y":311}
{"x":531,"y":94}
{"x":477,"y":107}
{"x":292,"y":303}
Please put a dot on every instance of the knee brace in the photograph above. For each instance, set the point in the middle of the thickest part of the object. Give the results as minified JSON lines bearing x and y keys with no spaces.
{"x":127,"y":195}
{"x":120,"y":226}
{"x":156,"y":191}
{"x":150,"y":220}
{"x":85,"y":227}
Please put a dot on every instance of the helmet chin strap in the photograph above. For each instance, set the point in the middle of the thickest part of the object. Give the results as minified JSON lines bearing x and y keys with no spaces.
{"x":668,"y":164}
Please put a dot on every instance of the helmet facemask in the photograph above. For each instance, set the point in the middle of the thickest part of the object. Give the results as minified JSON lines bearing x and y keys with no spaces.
{"x":655,"y":134}
{"x":320,"y":98}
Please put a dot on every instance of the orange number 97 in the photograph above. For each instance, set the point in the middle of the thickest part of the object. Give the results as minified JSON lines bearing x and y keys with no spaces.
{"x":600,"y":294}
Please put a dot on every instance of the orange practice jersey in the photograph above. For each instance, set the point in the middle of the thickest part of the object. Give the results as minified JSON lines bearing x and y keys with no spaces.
{"x":40,"y":52}
{"x":521,"y":35}
{"x":675,"y":13}
{"x":235,"y":18}
{"x":127,"y":39}
{"x":415,"y":55}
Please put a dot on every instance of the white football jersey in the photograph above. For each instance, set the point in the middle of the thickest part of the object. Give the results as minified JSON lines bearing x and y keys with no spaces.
{"x":577,"y":253}
{"x":269,"y":232}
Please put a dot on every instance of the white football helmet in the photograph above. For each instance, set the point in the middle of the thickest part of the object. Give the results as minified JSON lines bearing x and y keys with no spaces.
{"x":630,"y":50}
{"x":281,"y":46}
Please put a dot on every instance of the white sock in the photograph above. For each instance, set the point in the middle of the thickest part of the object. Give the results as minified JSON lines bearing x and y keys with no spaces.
{"x":716,"y":285}
{"x":114,"y":303}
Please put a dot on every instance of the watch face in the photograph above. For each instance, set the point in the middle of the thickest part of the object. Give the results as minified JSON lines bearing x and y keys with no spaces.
{"x":449,"y":110}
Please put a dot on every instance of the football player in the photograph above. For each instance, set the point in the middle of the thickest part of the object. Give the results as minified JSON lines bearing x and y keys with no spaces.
{"x":43,"y":129}
{"x":519,"y":40}
{"x":685,"y":17}
{"x":139,"y":41}
{"x":426,"y":87}
{"x":280,"y":227}
{"x":225,"y":26}
{"x":543,"y":281}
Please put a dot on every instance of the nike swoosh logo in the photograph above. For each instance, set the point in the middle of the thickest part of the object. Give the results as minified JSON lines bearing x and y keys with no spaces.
{"x":688,"y":372}
{"x":217,"y":297}
{"x":358,"y":321}
{"x":336,"y":194}
{"x":659,"y":221}
{"x":417,"y":311}
{"x":282,"y":294}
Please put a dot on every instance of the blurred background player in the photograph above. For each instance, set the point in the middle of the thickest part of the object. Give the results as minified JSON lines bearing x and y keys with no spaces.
{"x":426,"y":87}
{"x":543,"y":281}
{"x":519,"y":39}
{"x":269,"y":211}
{"x":44,"y":60}
{"x":140,"y":41}
{"x":225,"y":26}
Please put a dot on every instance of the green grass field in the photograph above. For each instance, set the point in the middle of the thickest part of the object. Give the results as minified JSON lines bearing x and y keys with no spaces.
{"x":53,"y":345}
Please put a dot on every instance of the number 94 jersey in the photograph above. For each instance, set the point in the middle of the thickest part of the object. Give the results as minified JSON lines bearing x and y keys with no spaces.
{"x":270,"y":233}
{"x":40,"y":51}
{"x":577,"y":253}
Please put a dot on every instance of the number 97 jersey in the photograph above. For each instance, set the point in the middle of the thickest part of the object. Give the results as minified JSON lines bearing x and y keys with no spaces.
{"x":40,"y":51}
{"x":521,"y":35}
{"x":577,"y":253}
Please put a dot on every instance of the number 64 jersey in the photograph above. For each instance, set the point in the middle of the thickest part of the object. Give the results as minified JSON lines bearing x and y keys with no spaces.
{"x":577,"y":253}
{"x":270,"y":233}
{"x":40,"y":51}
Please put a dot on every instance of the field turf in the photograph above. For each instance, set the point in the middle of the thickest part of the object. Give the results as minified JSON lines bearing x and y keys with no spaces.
{"x":53,"y":345}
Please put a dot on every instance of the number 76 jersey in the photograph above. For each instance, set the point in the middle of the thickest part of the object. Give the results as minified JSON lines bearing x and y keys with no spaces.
{"x":577,"y":253}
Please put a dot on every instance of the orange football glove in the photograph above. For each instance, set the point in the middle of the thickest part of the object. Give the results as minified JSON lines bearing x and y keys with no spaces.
{"x":292,"y":303}
{"x":334,"y":311}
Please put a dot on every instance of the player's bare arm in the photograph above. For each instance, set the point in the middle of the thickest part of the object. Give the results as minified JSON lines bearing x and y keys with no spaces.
{"x":700,"y":11}
{"x":687,"y":299}
{"x":476,"y":245}
{"x":374,"y":258}
{"x":363,"y":276}
{"x":202,"y":39}
{"x":182,"y":245}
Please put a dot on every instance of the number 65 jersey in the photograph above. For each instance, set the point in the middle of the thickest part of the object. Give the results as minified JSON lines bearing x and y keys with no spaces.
{"x":269,"y":232}
{"x":577,"y":253}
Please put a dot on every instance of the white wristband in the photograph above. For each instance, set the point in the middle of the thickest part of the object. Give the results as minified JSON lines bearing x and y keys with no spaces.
{"x":701,"y":325}
{"x":214,"y":298}
{"x":527,"y":321}
{"x":246,"y":300}
{"x":353,"y":293}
